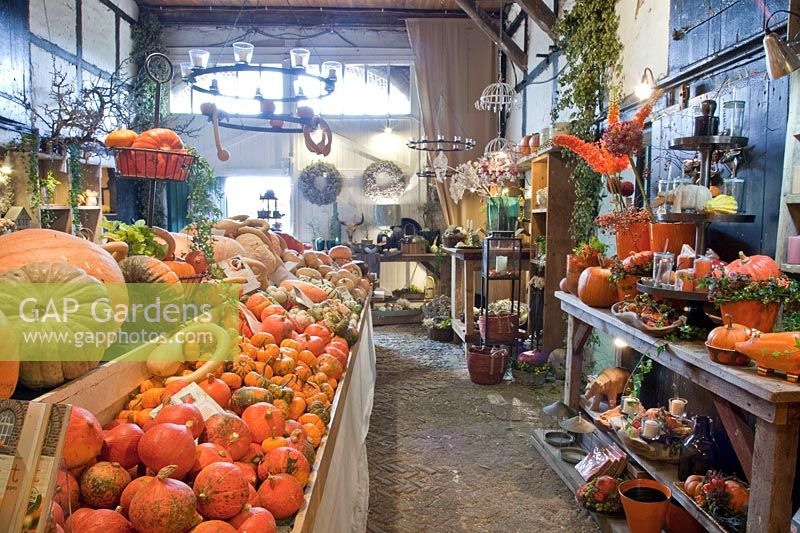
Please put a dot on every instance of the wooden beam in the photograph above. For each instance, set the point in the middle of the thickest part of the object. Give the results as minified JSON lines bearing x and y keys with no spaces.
{"x":513,"y":27}
{"x":542,"y":15}
{"x":739,"y":433}
{"x":293,"y":16}
{"x":485,"y":23}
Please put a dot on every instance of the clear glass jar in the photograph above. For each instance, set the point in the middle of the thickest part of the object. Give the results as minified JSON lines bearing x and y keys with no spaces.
{"x":662,"y":269}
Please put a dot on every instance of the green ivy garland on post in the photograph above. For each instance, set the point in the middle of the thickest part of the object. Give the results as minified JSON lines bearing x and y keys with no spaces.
{"x":147,"y":38}
{"x":588,"y":38}
{"x":202,"y":210}
{"x":75,"y":183}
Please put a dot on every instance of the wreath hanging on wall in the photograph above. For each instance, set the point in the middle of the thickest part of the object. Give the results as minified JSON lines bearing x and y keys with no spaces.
{"x":331,"y":189}
{"x":396,"y":187}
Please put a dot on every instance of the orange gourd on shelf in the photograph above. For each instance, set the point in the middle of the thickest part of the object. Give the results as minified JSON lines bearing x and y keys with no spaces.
{"x":121,"y":138}
{"x":595,"y":287}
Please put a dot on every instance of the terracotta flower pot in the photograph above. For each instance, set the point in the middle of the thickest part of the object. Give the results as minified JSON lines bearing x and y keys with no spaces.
{"x":680,"y":521}
{"x":672,"y":235}
{"x":626,"y":288}
{"x":645,"y":517}
{"x":752,"y":314}
{"x":635,"y":238}
{"x":575,"y":267}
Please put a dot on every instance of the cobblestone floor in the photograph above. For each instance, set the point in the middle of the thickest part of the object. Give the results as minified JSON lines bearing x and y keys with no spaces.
{"x":447,"y":455}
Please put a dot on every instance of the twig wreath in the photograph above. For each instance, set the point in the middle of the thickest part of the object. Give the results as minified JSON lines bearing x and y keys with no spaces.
{"x":331,"y":189}
{"x":396,"y":187}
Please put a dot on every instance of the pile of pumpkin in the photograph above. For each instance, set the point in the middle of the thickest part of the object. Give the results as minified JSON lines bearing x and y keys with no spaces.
{"x":155,"y":153}
{"x":249,"y":470}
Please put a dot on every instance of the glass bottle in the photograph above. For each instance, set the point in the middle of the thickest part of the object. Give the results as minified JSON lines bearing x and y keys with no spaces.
{"x":699,"y":452}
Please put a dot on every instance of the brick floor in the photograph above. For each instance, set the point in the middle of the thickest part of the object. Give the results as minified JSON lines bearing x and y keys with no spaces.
{"x":448,"y":455}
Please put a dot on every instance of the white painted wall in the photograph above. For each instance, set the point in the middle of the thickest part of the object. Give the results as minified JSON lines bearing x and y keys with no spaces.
{"x":55,"y":21}
{"x":645,"y":38}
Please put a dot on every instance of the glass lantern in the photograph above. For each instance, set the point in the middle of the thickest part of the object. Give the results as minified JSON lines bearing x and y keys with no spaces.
{"x":501,"y":257}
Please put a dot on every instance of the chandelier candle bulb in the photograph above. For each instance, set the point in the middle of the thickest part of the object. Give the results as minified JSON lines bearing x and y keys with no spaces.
{"x":242,"y":52}
{"x":677,"y":406}
{"x":650,"y":429}
{"x":186,"y":69}
{"x":299,"y":57}
{"x":198,"y":58}
{"x":793,"y":250}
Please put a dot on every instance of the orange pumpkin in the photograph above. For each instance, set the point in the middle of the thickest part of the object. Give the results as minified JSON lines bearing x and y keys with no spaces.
{"x":726,"y":337}
{"x":755,"y":266}
{"x":272,"y":309}
{"x":264,"y":420}
{"x":283,"y":365}
{"x":9,"y":367}
{"x":243,"y":365}
{"x":277,"y":326}
{"x":297,"y":407}
{"x":259,"y":340}
{"x":330,"y":366}
{"x":693,"y":485}
{"x":121,"y":138}
{"x":291,"y":343}
{"x":163,"y":139}
{"x":313,"y":434}
{"x":595,"y":287}
{"x":285,"y":460}
{"x":256,"y":303}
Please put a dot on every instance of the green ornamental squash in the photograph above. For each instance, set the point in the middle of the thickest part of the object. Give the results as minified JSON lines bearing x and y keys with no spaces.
{"x":57,"y":312}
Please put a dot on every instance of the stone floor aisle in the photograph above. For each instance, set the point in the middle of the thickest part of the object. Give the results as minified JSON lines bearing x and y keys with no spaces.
{"x":446,"y":455}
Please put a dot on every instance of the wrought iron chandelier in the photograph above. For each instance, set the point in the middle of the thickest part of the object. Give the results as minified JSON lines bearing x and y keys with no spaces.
{"x":440,"y":144}
{"x":203,"y":79}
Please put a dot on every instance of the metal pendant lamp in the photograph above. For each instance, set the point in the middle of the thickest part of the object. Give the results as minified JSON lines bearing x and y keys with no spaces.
{"x":782,"y":59}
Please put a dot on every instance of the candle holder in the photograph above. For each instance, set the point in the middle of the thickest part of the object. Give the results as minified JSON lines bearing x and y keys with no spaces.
{"x":242,"y":52}
{"x":198,"y":58}
{"x":677,"y":407}
{"x":299,"y":57}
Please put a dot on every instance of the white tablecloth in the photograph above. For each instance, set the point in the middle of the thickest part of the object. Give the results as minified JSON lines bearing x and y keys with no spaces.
{"x":345,"y":500}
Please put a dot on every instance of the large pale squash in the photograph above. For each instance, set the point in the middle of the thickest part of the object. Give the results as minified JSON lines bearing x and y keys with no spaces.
{"x":257,"y":246}
{"x":20,"y":248}
{"x":33,"y":299}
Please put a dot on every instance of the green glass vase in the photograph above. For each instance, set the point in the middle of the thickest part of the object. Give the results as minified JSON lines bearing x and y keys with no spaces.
{"x":502,"y":213}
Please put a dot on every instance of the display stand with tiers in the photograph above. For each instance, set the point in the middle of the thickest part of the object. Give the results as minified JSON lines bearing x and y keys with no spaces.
{"x":501,"y":264}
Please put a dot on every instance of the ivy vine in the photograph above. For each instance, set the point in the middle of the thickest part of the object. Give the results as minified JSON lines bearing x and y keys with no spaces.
{"x":147,"y":38}
{"x":202,"y":210}
{"x":75,"y":183}
{"x":588,"y":38}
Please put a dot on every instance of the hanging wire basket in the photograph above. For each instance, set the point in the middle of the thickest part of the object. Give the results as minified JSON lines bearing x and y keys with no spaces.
{"x":142,"y":163}
{"x":498,"y":97}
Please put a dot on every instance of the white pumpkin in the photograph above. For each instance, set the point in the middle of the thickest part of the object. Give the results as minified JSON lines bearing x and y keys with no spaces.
{"x":690,"y":197}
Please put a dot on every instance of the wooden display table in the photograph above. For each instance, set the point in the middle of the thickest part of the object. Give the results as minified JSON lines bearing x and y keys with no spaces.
{"x":341,"y":457}
{"x":442,"y":278}
{"x":768,"y":456}
{"x":465,"y":264}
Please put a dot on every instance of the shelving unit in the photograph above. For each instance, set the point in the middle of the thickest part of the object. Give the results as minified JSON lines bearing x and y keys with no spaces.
{"x":767,"y":454}
{"x":547,"y":168}
{"x":706,"y":145}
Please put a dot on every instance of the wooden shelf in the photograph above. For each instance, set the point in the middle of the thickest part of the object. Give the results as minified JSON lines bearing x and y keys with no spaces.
{"x":525,"y":163}
{"x":792,"y":269}
{"x":664,"y":473}
{"x":573,"y":480}
{"x":539,"y":211}
{"x":792,"y":199}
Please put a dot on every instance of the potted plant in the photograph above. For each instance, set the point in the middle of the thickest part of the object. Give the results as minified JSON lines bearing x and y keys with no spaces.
{"x":750,"y":290}
{"x":437,"y":319}
{"x":452,"y":236}
{"x":527,"y":369}
{"x":582,"y":257}
{"x":613,"y":154}
{"x":627,"y":272}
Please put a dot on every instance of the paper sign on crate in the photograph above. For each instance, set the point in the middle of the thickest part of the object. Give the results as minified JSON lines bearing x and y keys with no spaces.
{"x":236,"y":267}
{"x":192,"y":393}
